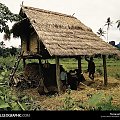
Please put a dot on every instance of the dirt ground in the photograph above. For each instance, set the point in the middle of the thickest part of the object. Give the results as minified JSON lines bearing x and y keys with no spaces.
{"x":54,"y":102}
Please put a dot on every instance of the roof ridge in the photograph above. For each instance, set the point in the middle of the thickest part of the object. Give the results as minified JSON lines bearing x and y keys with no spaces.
{"x":48,"y":11}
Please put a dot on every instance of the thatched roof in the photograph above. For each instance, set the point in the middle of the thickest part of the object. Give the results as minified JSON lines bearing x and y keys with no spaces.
{"x":65,"y":35}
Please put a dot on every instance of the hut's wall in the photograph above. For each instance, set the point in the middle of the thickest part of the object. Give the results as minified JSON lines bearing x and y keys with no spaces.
{"x":24,"y":44}
{"x":33,"y":43}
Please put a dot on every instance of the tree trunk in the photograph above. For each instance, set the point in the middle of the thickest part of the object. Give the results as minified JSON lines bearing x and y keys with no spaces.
{"x":105,"y":70}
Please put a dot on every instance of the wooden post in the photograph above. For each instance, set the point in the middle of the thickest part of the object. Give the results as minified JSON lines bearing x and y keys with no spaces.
{"x":40,"y":67}
{"x":24,"y":62}
{"x":105,"y":70}
{"x":79,"y":64}
{"x":58,"y":74}
{"x":79,"y":69}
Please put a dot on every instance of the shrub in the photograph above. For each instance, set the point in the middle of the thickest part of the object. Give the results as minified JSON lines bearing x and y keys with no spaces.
{"x":101,"y":102}
{"x":69,"y":103}
{"x":10,"y":101}
{"x":117,"y":76}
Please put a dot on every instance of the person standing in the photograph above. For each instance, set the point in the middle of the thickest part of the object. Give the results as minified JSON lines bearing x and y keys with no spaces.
{"x":73,"y":80}
{"x":91,"y":67}
{"x":63,"y":76}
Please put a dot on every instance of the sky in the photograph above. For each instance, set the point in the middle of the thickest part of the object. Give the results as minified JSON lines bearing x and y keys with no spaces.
{"x":92,"y":13}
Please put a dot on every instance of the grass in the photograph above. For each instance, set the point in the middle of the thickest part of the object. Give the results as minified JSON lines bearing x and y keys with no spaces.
{"x":113,"y":66}
{"x":79,"y":99}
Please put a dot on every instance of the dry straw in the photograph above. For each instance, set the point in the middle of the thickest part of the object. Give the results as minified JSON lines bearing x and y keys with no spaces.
{"x":65,"y":35}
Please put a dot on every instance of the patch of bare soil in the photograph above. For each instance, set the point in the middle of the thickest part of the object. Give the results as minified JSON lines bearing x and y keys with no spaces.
{"x":83,"y":92}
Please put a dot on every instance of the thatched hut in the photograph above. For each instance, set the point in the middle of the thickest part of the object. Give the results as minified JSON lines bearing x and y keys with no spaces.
{"x":46,"y":34}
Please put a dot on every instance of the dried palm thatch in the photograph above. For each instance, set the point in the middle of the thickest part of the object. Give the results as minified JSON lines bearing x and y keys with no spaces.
{"x":65,"y":35}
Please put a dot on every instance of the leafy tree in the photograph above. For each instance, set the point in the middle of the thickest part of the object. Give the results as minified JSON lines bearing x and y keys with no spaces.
{"x":5,"y":16}
{"x":13,"y":51}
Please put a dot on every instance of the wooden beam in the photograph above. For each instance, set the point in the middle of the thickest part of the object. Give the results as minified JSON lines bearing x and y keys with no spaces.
{"x":24,"y":62}
{"x":79,"y":68}
{"x":105,"y":70}
{"x":79,"y":64}
{"x":58,"y":74}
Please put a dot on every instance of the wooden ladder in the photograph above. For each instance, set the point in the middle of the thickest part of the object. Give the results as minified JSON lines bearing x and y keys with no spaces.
{"x":14,"y":68}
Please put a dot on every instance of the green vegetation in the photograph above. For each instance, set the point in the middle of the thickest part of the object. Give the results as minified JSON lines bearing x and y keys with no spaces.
{"x":117,"y":76}
{"x":101,"y":101}
{"x":113,"y":65}
{"x":69,"y":103}
{"x":12,"y":100}
{"x":98,"y":101}
{"x":5,"y":16}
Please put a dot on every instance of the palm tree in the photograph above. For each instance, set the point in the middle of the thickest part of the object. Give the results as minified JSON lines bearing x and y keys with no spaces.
{"x":118,"y":24}
{"x":2,"y":46}
{"x":108,"y":23}
{"x":101,"y":32}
